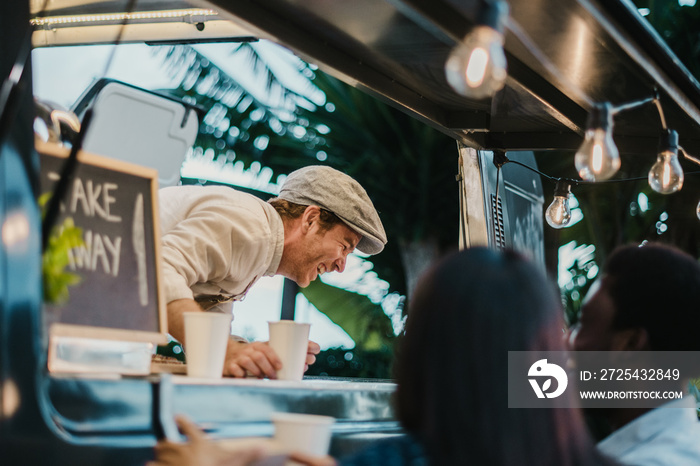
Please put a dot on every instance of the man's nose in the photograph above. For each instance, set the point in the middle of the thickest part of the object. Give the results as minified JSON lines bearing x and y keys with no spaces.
{"x":340,"y":264}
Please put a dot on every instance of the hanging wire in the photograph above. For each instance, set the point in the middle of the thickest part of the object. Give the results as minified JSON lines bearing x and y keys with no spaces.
{"x":574,"y":182}
{"x":544,"y":175}
{"x":530,"y":45}
{"x":689,"y":157}
{"x":631,"y":105}
{"x":656,"y":100}
{"x":661,"y":113}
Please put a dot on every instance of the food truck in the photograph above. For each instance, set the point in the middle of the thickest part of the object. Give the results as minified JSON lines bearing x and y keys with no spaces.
{"x":564,"y":59}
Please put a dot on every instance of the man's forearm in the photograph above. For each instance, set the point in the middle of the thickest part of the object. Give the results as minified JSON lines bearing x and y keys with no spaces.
{"x":176,"y":321}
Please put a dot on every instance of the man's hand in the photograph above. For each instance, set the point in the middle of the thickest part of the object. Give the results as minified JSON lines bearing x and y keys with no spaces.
{"x":311,"y":353}
{"x":258,"y":359}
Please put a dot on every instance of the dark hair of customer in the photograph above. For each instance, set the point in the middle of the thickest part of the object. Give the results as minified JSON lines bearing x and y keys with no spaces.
{"x":656,"y":287}
{"x":451,"y":369}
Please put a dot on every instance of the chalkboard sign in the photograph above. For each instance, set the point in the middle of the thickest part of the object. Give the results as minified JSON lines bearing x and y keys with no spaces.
{"x":118,"y":295}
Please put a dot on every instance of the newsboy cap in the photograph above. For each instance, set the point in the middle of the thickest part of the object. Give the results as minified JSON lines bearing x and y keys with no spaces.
{"x":337,"y":192}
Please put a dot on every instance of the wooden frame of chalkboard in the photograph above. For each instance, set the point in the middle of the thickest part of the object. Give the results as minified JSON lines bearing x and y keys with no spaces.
{"x":118,"y":263}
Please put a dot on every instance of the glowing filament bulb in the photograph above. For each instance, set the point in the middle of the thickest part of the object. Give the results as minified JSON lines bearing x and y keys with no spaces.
{"x":476,"y":66}
{"x":598,"y":158}
{"x":476,"y":69}
{"x":558,"y":214}
{"x":666,"y":175}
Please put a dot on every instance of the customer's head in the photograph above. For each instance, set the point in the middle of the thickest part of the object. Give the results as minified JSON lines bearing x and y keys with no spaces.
{"x":646,"y":299}
{"x":466,"y":314}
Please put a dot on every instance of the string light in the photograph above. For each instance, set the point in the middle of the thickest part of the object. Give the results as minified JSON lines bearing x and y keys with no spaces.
{"x":558,"y":214}
{"x":476,"y":67}
{"x":598,"y":158}
{"x":666,"y":175}
{"x":598,"y":150}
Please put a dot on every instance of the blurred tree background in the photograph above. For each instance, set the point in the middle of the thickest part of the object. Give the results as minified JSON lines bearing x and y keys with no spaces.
{"x":409,"y":170}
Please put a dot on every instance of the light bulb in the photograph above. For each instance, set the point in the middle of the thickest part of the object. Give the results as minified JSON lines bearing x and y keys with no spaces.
{"x":476,"y":67}
{"x":598,"y":158}
{"x":666,"y":175}
{"x":697,"y":210}
{"x":558,"y":214}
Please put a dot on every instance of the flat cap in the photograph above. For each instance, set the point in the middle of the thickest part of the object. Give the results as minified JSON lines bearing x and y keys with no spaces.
{"x":339,"y":193}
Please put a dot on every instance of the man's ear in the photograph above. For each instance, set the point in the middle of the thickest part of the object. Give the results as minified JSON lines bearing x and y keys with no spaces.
{"x":310,"y":215}
{"x":631,"y":339}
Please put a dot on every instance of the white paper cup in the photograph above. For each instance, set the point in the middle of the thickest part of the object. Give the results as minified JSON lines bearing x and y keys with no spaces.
{"x":306,"y":433}
{"x":206,"y":337}
{"x":290,"y":340}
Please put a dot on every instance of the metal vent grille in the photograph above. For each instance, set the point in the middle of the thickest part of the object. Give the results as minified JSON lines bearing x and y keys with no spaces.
{"x":499,"y":233}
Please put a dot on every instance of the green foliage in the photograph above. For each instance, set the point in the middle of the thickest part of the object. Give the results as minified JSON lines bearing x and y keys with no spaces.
{"x":574,"y":291}
{"x":364,"y":321}
{"x":407,"y":168}
{"x":55,"y":260}
{"x":614,"y":216}
{"x":235,"y":124}
{"x":338,"y":362}
{"x":172,"y":350}
{"x":679,"y":27}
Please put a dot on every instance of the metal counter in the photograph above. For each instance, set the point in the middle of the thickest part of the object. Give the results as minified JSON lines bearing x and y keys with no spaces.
{"x":131,"y":412}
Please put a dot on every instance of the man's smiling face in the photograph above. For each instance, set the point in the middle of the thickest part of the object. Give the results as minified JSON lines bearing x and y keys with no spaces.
{"x":321,"y":251}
